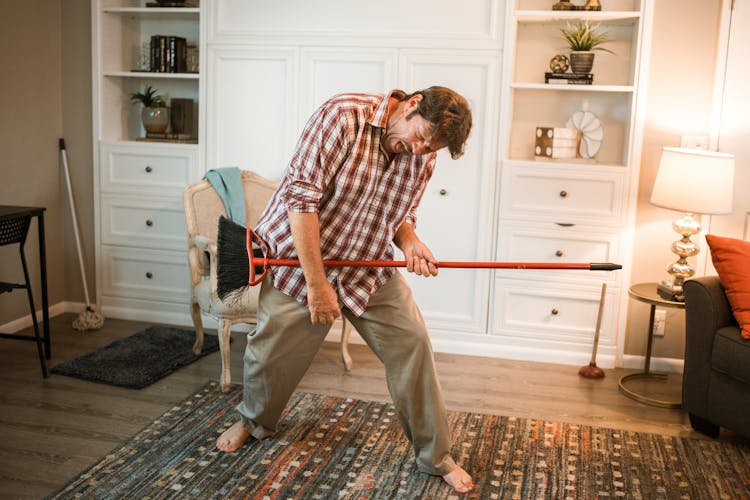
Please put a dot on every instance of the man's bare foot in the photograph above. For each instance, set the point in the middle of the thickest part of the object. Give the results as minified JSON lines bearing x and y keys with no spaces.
{"x":459,"y":479}
{"x":233,"y":438}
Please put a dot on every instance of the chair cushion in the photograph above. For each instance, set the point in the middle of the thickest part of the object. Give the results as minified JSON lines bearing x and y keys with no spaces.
{"x":731,"y":258}
{"x":731,"y":354}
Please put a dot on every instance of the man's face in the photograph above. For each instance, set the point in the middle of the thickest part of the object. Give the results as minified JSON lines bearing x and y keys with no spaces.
{"x":410,"y":134}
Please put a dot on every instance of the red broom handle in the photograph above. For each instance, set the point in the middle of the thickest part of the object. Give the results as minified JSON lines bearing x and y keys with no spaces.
{"x":260,"y":261}
{"x":264,"y":262}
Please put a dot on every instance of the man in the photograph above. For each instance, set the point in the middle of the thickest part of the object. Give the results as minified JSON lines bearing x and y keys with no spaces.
{"x":351,"y":189}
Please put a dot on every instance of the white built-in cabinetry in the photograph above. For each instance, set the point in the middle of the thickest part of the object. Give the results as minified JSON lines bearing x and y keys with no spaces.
{"x":140,"y":235}
{"x":269,"y":66}
{"x":567,"y":211}
{"x":266,"y":66}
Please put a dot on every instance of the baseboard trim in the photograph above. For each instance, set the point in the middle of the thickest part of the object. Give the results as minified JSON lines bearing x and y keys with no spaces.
{"x":54,"y":310}
{"x":672,"y":365}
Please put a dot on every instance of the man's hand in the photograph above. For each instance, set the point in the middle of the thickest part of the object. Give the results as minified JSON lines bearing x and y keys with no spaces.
{"x":323,"y":304}
{"x":419,"y":258}
{"x":321,"y":297}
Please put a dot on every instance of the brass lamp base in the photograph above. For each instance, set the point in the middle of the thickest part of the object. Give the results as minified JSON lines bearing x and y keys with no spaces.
{"x":680,"y":270}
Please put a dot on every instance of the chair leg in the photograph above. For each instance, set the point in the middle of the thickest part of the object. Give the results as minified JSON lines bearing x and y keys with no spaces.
{"x":32,"y":308}
{"x":195,"y":312}
{"x":346,"y":330}
{"x":225,"y":329}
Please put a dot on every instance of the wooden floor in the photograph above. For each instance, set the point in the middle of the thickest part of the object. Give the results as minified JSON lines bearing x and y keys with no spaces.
{"x":50,"y":430}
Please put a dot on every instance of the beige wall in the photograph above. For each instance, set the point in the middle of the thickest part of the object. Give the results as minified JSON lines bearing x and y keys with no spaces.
{"x":46,"y":93}
{"x":680,"y":95}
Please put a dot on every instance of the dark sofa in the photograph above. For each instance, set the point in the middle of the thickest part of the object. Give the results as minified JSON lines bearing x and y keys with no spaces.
{"x":716,"y":377}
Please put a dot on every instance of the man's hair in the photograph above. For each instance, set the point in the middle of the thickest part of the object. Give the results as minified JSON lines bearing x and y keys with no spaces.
{"x":450,"y":114}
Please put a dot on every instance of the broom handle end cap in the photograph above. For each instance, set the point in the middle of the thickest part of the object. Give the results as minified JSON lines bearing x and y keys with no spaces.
{"x":605,"y":266}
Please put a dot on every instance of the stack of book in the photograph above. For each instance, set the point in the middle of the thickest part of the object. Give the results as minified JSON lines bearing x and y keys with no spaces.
{"x":168,"y":54}
{"x":569,"y":78}
{"x":168,"y":137}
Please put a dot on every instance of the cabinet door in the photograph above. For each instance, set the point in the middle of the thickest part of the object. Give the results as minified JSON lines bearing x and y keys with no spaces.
{"x":327,"y":71}
{"x":454,"y":218}
{"x":252,"y":108}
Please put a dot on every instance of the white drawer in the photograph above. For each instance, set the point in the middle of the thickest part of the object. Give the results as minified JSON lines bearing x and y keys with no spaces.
{"x":147,"y":168}
{"x":145,"y":274}
{"x":549,"y":242}
{"x":553,"y":312}
{"x":143,"y":222}
{"x":565,"y":196}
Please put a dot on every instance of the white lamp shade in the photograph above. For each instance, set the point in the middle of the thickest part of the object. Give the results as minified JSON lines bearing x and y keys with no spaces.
{"x":694,"y":181}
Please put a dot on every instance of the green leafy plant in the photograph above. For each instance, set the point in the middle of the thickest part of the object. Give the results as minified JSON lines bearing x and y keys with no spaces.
{"x":583,"y":37}
{"x":149,"y":98}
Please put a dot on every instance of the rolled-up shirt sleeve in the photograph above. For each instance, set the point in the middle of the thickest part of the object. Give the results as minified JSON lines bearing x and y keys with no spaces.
{"x":321,"y":150}
{"x":427,"y":171}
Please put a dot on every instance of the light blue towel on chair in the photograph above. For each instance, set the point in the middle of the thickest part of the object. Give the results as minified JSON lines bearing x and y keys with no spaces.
{"x":228,"y":185}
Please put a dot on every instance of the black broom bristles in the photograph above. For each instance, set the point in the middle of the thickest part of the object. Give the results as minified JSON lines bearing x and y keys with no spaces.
{"x":233,"y":265}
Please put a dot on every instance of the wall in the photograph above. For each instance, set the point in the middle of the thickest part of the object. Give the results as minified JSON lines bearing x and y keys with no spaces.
{"x":30,"y":125}
{"x":44,"y":95}
{"x":680,"y":94}
{"x":76,"y":113}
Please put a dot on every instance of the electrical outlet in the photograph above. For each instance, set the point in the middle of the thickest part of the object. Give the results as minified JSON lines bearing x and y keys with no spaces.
{"x":694,"y":141}
{"x":660,"y":319}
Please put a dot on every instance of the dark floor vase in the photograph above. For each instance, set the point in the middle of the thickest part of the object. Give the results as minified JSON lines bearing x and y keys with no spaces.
{"x":581,"y":62}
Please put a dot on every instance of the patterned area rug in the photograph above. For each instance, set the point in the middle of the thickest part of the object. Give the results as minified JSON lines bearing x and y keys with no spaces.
{"x":140,"y":359}
{"x":330,"y":447}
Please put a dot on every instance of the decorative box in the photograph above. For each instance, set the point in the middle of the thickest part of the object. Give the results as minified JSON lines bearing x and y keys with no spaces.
{"x":558,"y":143}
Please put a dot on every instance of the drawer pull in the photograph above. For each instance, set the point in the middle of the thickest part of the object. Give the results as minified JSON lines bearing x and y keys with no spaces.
{"x":149,"y":222}
{"x":563,"y":194}
{"x":443,"y":192}
{"x":565,"y":224}
{"x":559,"y":253}
{"x":149,"y":169}
{"x":149,"y":275}
{"x":555,"y":312}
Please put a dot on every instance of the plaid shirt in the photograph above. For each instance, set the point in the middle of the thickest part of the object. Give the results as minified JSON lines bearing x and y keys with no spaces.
{"x":340,"y":172}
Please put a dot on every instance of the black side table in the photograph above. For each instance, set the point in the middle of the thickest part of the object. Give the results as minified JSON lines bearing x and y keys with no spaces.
{"x":648,"y":293}
{"x":10,"y":212}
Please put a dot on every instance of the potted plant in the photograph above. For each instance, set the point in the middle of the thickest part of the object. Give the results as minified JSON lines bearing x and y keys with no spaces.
{"x":155,"y":114}
{"x":583,"y":39}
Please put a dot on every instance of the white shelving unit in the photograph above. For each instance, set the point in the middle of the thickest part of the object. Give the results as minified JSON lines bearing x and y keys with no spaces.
{"x":567,"y":210}
{"x":140,"y":231}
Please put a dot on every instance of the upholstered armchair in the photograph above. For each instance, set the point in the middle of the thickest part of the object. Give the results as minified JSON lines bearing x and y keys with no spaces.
{"x":203,"y":207}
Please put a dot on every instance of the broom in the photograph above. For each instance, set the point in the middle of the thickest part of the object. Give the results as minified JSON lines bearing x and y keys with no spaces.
{"x":240,"y":265}
{"x":88,"y":319}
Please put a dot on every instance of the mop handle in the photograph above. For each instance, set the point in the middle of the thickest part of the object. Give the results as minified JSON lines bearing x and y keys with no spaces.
{"x":75,"y":221}
{"x":264,"y":262}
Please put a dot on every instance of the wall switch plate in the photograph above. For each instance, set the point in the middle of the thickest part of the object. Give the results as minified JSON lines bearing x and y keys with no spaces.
{"x":694,"y":141}
{"x":660,"y":319}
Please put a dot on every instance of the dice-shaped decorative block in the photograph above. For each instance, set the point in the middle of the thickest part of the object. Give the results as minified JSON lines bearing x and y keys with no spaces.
{"x":558,"y":143}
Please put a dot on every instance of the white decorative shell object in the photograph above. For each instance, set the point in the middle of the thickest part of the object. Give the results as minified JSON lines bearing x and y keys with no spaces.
{"x":591,"y":131}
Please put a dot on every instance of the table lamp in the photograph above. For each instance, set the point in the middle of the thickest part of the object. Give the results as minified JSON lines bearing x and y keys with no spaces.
{"x":693,"y":181}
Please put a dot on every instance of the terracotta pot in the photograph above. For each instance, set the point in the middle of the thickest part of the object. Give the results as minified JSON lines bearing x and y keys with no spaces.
{"x":155,"y":119}
{"x":581,"y":62}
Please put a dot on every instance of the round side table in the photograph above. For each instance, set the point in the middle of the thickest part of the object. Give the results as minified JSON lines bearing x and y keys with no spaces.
{"x":648,"y":293}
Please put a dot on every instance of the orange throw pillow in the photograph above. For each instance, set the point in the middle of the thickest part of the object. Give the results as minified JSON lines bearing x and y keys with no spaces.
{"x":731,"y":259}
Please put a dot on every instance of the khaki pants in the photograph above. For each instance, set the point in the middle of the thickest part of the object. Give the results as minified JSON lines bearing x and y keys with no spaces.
{"x":284,"y":343}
